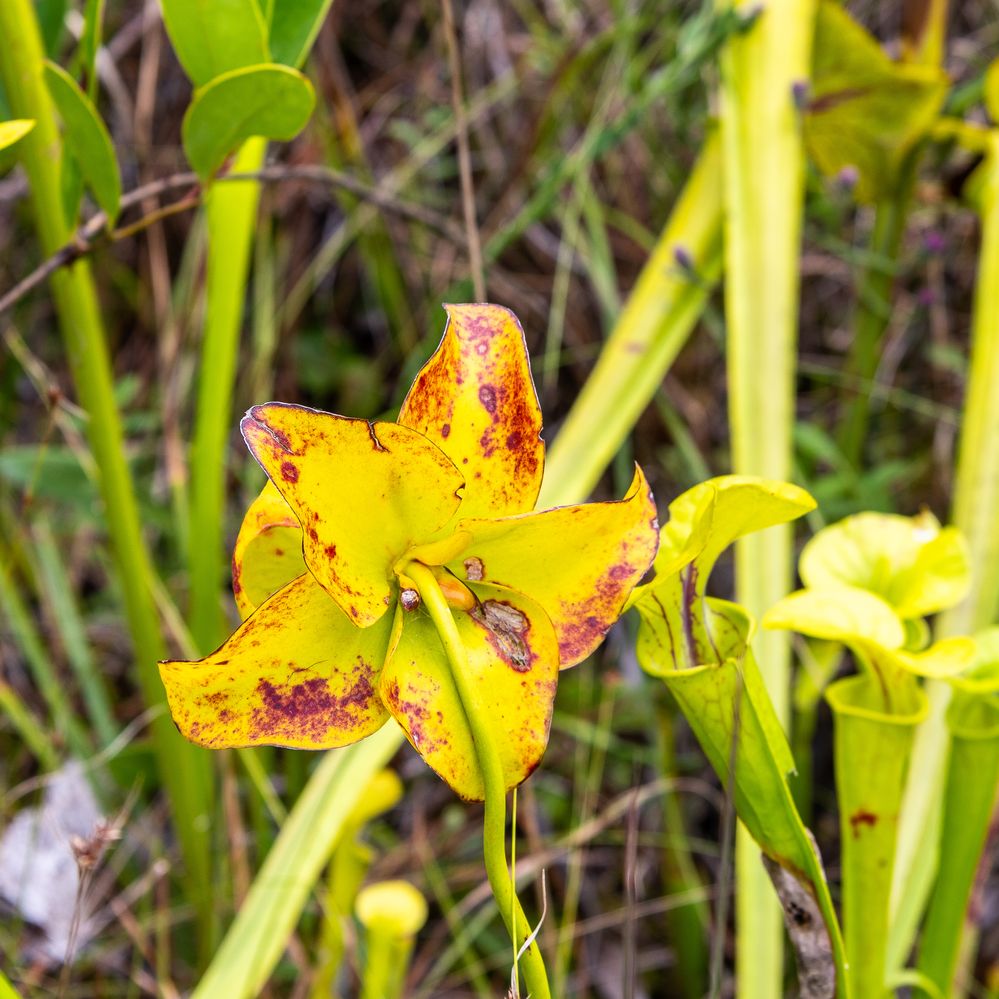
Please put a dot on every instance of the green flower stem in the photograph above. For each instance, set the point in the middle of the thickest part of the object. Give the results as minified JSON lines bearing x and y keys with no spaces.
{"x":494,"y":833}
{"x":183,"y":767}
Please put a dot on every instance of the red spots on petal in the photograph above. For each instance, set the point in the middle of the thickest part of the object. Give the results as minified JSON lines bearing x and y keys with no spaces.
{"x":446,"y":431}
{"x":289,"y":471}
{"x":311,"y":710}
{"x":330,"y":551}
{"x":314,"y":534}
{"x":487,"y":396}
{"x":513,"y":440}
{"x":862,"y":818}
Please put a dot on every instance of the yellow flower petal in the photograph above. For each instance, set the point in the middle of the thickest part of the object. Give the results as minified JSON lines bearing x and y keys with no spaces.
{"x":363,"y":492}
{"x":513,"y":664}
{"x":579,"y":562}
{"x":297,"y":673}
{"x":268,"y":552}
{"x":475,"y":400}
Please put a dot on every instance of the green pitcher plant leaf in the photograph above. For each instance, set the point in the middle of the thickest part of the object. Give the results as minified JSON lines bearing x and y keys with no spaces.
{"x":871,"y":750}
{"x":212,"y":39}
{"x":87,"y":139}
{"x":699,"y":646}
{"x":271,"y":101}
{"x":12,"y":131}
{"x":293,"y":29}
{"x":973,"y":721}
{"x":336,"y":638}
{"x":912,"y":563}
{"x":865,"y":112}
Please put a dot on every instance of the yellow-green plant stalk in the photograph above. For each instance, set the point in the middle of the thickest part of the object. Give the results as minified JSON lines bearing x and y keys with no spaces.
{"x":973,"y":774}
{"x":661,"y":311}
{"x":183,"y":768}
{"x":976,"y":500}
{"x":231,"y":213}
{"x":762,"y":71}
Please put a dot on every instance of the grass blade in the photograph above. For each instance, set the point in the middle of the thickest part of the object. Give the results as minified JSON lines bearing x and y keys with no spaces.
{"x":258,"y":936}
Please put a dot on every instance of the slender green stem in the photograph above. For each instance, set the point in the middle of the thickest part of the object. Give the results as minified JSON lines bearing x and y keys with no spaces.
{"x":231,"y":216}
{"x":183,"y":767}
{"x":494,"y":831}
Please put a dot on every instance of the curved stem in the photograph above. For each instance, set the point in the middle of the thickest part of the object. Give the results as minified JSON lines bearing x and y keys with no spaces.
{"x":494,"y":825}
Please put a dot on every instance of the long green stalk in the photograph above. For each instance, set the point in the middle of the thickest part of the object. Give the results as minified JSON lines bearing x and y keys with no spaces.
{"x":763,"y":183}
{"x":976,"y":500}
{"x":183,"y":768}
{"x":660,"y":312}
{"x":494,"y":830}
{"x":231,"y":213}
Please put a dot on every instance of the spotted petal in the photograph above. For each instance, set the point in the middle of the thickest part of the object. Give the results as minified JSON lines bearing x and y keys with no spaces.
{"x":268,"y":552}
{"x":363,"y":492}
{"x":475,"y":400}
{"x":579,"y":562}
{"x":513,"y":666}
{"x":297,"y":673}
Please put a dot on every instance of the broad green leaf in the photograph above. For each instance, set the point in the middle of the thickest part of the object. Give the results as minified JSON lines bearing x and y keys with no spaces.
{"x":213,"y":38}
{"x":258,"y":936}
{"x":87,"y":139}
{"x":12,"y":131}
{"x":266,"y":100}
{"x":364,"y":493}
{"x":51,"y":20}
{"x":910,"y":562}
{"x":865,"y":111}
{"x":871,"y":749}
{"x":475,"y":400}
{"x":294,"y":26}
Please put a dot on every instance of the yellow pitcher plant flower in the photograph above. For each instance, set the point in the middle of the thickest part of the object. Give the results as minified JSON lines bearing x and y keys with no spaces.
{"x":399,"y":569}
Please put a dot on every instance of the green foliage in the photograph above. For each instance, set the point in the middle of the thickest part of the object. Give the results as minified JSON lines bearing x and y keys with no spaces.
{"x":270,"y":101}
{"x":87,"y":139}
{"x":213,"y":40}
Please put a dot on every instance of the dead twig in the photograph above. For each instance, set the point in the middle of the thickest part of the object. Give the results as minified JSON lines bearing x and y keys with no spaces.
{"x":94,"y":233}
